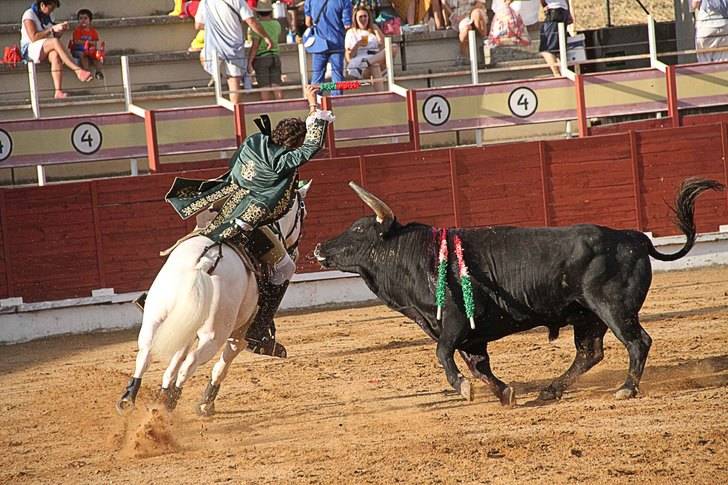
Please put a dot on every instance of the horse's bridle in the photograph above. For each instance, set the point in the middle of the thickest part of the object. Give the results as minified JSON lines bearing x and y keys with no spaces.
{"x":300,"y":215}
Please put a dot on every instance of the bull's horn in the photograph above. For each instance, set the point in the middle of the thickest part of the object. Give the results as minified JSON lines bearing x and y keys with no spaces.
{"x":381,"y":209}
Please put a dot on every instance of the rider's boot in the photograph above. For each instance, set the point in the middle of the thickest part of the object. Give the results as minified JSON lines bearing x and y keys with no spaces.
{"x":261,"y":336}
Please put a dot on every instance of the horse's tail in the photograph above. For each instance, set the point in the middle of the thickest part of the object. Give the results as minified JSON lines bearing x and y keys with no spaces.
{"x":189,"y":310}
{"x":684,"y":211}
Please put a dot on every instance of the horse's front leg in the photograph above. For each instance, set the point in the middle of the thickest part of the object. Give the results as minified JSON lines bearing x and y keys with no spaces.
{"x":232,"y":348}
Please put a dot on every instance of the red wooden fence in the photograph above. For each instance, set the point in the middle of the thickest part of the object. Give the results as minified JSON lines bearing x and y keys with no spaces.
{"x":63,"y":240}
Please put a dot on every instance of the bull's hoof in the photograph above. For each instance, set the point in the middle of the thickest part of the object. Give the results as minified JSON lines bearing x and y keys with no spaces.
{"x":205,"y":409}
{"x":508,"y":397}
{"x":466,"y":390}
{"x":124,"y":406}
{"x":625,"y":393}
{"x":550,"y":394}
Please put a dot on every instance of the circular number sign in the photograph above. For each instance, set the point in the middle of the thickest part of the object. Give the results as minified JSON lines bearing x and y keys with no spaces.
{"x":86,"y":138}
{"x":522,"y":102}
{"x":6,"y":145}
{"x":436,"y":110}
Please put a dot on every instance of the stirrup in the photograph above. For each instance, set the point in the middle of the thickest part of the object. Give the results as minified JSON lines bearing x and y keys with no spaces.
{"x":268,"y":346}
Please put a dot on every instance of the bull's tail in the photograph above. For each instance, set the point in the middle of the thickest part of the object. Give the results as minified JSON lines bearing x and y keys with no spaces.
{"x":191,"y":307}
{"x":684,"y":211}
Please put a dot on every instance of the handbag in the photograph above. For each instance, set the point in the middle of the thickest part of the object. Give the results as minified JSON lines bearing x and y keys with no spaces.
{"x":12,"y":55}
{"x":312,"y":42}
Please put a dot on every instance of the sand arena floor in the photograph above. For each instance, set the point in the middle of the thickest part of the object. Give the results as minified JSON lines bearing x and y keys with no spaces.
{"x":361,"y":399}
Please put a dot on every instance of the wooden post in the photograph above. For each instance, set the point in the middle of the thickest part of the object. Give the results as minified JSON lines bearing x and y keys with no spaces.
{"x":581,"y":106}
{"x":544,"y":184}
{"x":97,"y":233}
{"x":239,"y":115}
{"x":724,"y":149}
{"x":330,"y":134}
{"x":413,"y":119}
{"x":150,"y":128}
{"x":454,"y":186}
{"x":672,"y":106}
{"x":9,"y":281}
{"x":636,"y":180}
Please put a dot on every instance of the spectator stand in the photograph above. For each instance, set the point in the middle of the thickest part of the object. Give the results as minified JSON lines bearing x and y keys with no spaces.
{"x":397,"y":113}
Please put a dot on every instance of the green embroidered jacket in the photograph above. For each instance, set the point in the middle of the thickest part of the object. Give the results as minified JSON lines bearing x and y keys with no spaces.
{"x":258,"y":189}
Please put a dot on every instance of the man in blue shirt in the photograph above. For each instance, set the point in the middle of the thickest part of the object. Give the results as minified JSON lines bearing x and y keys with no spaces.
{"x":334,"y":19}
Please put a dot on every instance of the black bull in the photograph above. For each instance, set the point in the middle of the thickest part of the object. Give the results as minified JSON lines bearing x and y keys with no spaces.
{"x":588,"y":276}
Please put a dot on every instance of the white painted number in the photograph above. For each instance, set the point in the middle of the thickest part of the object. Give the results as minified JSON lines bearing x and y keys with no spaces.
{"x":86,"y":138}
{"x":522,"y":102}
{"x":436,"y":110}
{"x":6,"y":145}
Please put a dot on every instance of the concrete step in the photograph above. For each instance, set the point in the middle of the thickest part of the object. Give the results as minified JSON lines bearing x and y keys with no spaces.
{"x":159,"y":33}
{"x":11,"y":11}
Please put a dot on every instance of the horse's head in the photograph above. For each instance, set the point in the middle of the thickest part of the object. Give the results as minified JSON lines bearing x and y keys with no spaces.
{"x":291,"y":224}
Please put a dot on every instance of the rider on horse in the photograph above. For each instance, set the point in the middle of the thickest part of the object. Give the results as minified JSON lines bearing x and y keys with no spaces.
{"x":258,"y":189}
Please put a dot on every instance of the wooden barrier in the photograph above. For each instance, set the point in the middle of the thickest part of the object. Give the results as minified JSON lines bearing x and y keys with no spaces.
{"x":64,"y":240}
{"x":701,"y":85}
{"x":625,"y":92}
{"x":71,"y":139}
{"x":194,"y":130}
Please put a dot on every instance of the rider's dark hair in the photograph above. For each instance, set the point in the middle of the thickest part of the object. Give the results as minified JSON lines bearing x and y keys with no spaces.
{"x":289,"y":133}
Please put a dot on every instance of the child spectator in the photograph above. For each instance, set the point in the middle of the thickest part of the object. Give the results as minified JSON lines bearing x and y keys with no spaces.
{"x":85,"y":39}
{"x":265,"y":60}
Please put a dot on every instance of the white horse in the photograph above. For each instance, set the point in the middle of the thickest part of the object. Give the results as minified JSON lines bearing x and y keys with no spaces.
{"x":210,"y":299}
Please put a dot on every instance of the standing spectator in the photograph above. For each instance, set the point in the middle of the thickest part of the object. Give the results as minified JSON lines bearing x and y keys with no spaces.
{"x":85,"y":40}
{"x":39,"y":40}
{"x":364,"y":55}
{"x":222,"y":21}
{"x":711,"y":29}
{"x":333,"y":20}
{"x":556,"y":12}
{"x":266,"y":61}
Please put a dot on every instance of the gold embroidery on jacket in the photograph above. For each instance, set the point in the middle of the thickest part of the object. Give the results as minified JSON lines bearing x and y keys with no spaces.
{"x":247,"y":170}
{"x":253,"y":214}
{"x":315,"y":134}
{"x":204,"y":202}
{"x":226,"y":210}
{"x":285,"y":203}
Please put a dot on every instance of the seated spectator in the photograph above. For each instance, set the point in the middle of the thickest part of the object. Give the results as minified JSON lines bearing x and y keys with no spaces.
{"x":417,"y":12}
{"x":467,"y":15}
{"x":364,"y":42}
{"x":84,"y":46}
{"x":39,"y":40}
{"x":266,"y":61}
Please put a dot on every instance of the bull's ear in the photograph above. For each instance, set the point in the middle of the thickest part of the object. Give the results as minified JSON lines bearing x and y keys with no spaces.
{"x":385,"y":226}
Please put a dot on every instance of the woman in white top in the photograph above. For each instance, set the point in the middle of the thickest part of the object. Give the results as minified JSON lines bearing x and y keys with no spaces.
{"x":711,"y":29}
{"x":39,"y":40}
{"x":363,"y":43}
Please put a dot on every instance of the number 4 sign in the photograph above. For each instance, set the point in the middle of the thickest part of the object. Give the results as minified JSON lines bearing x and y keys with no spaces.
{"x":522,"y":102}
{"x":436,"y":110}
{"x":86,"y":138}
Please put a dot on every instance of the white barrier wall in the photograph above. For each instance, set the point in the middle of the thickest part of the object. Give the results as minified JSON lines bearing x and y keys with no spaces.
{"x":21,"y":322}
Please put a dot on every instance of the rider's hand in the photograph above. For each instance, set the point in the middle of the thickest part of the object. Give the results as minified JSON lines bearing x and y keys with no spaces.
{"x":310,"y":94}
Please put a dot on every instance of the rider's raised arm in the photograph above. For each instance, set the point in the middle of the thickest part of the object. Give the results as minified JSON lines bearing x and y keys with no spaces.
{"x":316,"y":125}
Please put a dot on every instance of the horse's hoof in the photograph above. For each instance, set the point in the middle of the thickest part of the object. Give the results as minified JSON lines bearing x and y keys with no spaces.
{"x":625,"y":393}
{"x":124,"y":406}
{"x":508,"y":397}
{"x":206,"y":410}
{"x":549,"y":394}
{"x":466,"y":390}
